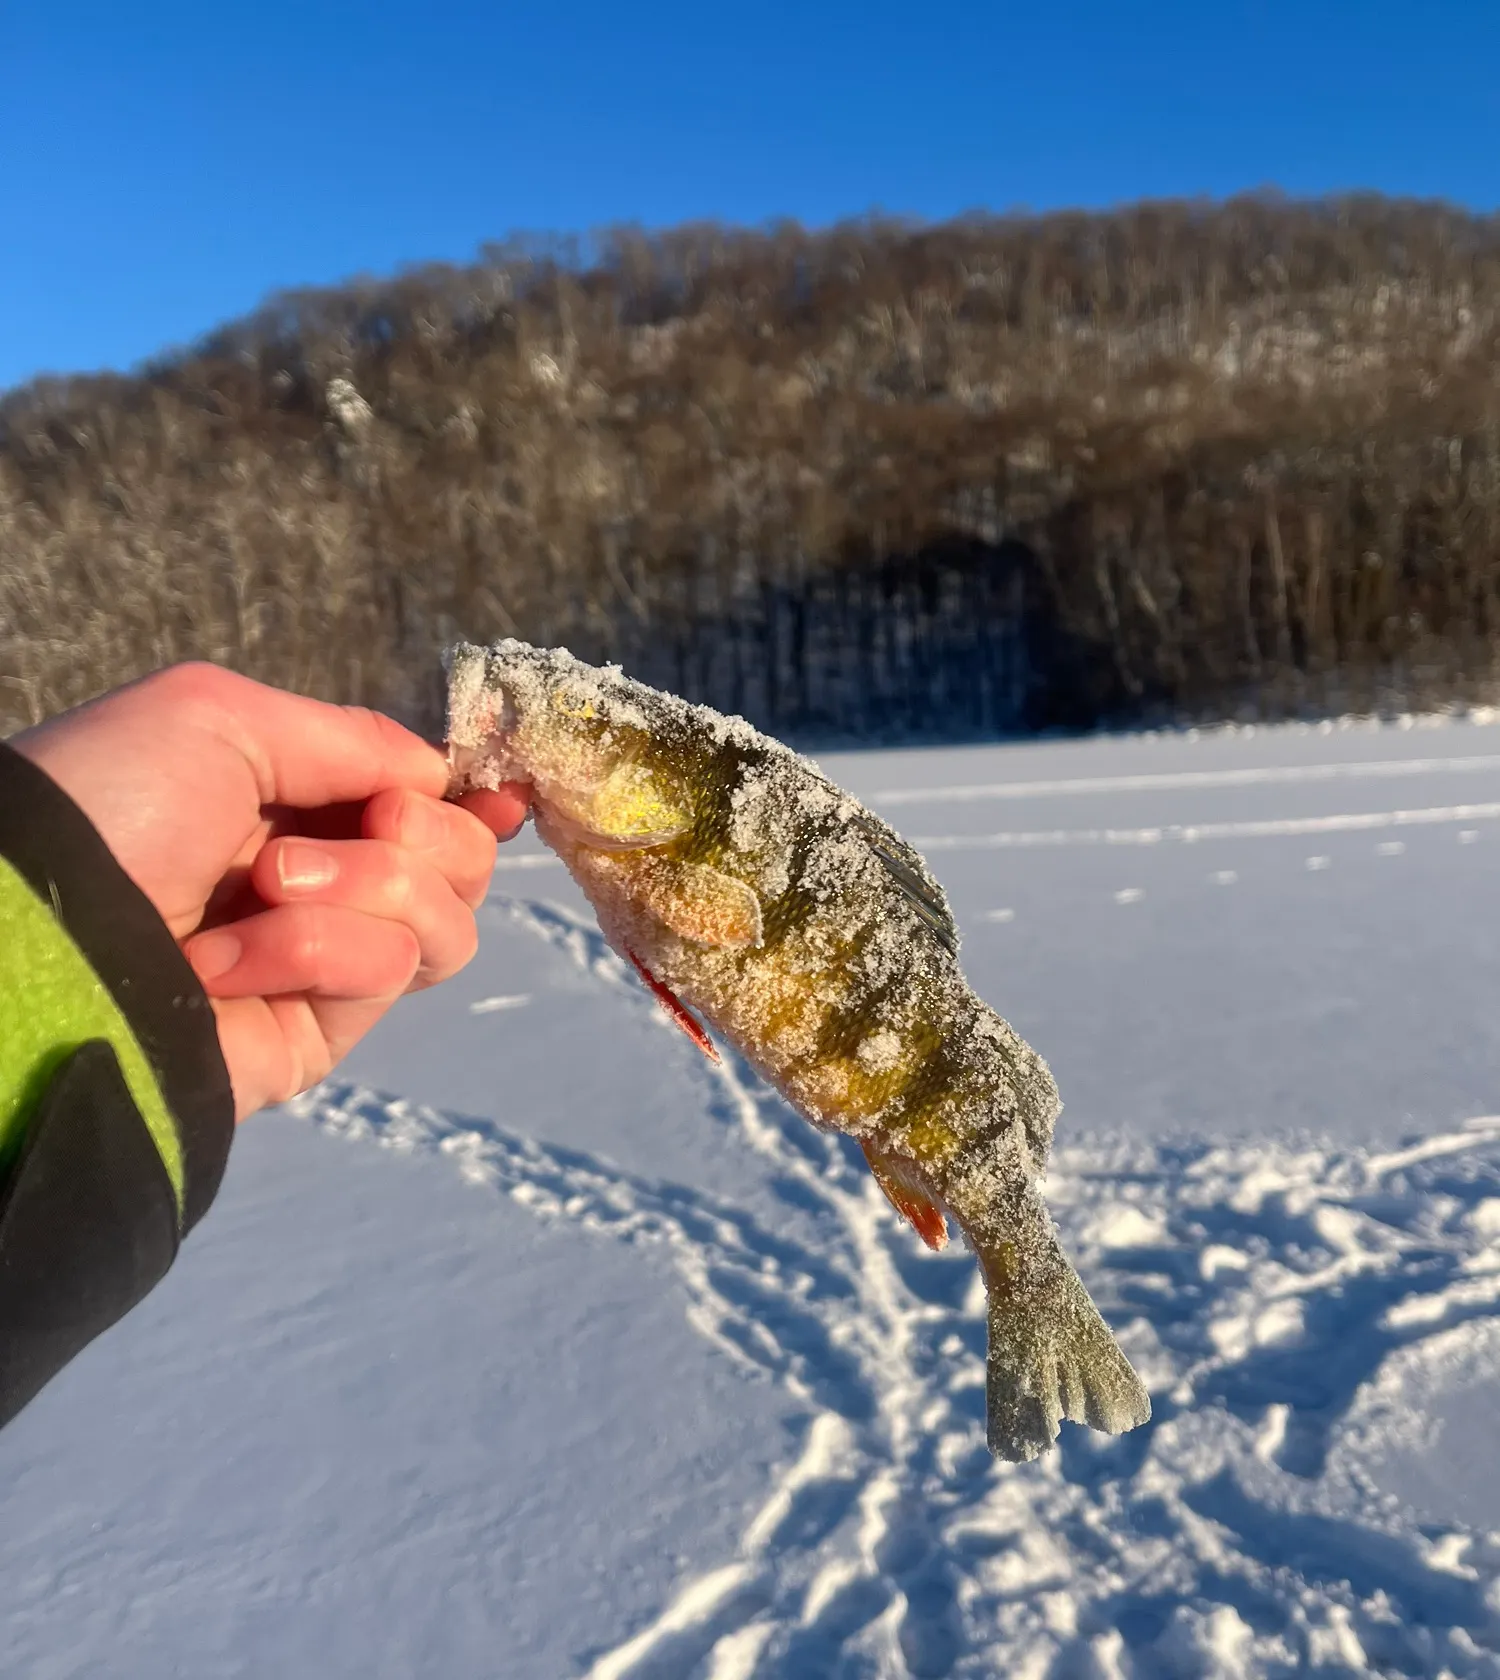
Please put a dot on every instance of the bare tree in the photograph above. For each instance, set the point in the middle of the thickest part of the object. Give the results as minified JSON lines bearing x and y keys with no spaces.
{"x":881,"y":481}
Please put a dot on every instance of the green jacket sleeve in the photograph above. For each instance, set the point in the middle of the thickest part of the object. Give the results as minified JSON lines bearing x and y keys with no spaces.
{"x":116,"y":1113}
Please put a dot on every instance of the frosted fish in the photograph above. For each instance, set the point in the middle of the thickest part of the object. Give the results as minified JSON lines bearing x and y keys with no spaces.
{"x":752,"y":893}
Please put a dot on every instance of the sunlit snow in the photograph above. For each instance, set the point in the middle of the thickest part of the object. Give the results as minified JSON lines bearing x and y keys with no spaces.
{"x":536,"y":1346}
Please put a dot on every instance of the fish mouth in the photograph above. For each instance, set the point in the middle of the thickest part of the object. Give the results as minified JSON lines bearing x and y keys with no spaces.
{"x":485,"y":758}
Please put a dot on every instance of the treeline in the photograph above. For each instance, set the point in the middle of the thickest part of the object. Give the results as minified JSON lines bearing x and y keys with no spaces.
{"x":1180,"y":460}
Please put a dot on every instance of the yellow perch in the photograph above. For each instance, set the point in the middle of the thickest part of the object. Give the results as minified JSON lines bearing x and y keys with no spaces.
{"x":746,"y":887}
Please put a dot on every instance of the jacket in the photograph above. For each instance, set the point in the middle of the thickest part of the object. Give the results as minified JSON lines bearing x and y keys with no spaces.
{"x":116,"y":1113}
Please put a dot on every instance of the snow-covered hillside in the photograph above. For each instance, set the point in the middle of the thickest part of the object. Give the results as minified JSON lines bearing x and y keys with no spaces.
{"x":538,"y":1347}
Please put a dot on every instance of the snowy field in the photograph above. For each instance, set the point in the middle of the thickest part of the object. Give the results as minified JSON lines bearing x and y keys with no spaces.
{"x":537,"y":1347}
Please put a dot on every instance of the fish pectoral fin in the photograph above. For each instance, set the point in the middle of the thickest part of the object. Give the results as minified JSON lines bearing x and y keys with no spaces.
{"x":706,"y":905}
{"x":675,"y":1009}
{"x":1051,"y":1355}
{"x":906,"y":1193}
{"x":694,"y":900}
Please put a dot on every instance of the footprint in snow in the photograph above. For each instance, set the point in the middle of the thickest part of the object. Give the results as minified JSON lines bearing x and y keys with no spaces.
{"x":1265,"y":1291}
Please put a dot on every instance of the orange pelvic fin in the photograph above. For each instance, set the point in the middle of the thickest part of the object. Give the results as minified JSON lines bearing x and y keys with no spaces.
{"x":908,"y":1196}
{"x":676,"y":1010}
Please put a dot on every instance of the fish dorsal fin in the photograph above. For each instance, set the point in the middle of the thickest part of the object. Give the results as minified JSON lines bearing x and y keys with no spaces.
{"x":676,"y":1011}
{"x":906,"y":1193}
{"x":905,"y":867}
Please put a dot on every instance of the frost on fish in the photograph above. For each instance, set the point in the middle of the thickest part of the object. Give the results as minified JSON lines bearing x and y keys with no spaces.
{"x":751,"y":891}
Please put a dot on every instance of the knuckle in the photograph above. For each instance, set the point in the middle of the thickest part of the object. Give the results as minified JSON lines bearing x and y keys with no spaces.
{"x":406,"y":957}
{"x":424,"y":824}
{"x":482,"y":867}
{"x":300,"y":1041}
{"x":383,"y":814}
{"x":390,"y":881}
{"x":380,"y":732}
{"x":369,"y":721}
{"x":398,"y":886}
{"x":310,"y":1054}
{"x":459,"y":944}
{"x":192,"y":679}
{"x":294,"y":1077}
{"x":468,"y":947}
{"x":469,"y":860}
{"x":308,"y":941}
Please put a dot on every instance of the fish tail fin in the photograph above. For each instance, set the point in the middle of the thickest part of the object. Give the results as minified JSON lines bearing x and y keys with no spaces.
{"x":1051,"y":1355}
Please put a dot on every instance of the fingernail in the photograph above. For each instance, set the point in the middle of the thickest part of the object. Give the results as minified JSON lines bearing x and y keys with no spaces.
{"x":303,"y":867}
{"x":423,"y":824}
{"x":215,"y":954}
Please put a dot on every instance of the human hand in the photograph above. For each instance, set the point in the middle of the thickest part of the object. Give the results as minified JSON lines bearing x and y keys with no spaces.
{"x":302,"y":854}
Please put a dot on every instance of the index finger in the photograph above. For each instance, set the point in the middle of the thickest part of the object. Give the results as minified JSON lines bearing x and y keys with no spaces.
{"x":309,"y":753}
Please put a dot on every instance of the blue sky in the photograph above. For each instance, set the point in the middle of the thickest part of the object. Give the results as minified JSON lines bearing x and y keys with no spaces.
{"x":163,"y":166}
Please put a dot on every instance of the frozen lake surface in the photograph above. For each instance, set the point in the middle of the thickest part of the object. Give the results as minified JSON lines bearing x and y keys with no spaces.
{"x":537,"y":1347}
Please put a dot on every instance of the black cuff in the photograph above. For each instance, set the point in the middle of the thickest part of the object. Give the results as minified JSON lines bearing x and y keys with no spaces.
{"x":88,"y":1223}
{"x":63,"y":859}
{"x":89,"y":1213}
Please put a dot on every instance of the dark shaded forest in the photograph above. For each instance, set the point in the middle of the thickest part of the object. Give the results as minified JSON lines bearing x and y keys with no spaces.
{"x":884,"y":482}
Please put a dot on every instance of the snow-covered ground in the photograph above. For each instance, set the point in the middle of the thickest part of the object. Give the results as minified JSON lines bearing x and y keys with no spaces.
{"x":538,"y":1347}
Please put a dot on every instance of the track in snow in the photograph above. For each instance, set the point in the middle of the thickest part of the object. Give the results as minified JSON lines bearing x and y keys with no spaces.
{"x":1176,"y":781}
{"x":1277,"y":1301}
